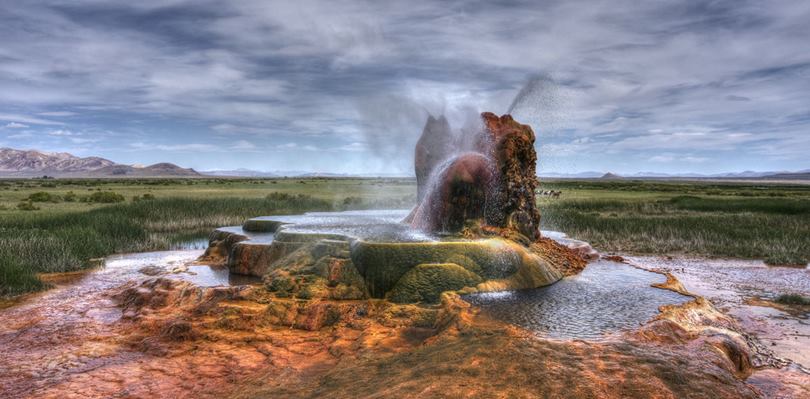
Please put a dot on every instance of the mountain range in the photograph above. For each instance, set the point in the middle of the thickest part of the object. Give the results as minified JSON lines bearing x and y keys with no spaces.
{"x":746,"y":175}
{"x":30,"y":163}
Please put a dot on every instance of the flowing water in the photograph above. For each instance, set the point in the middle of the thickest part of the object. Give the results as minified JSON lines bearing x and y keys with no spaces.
{"x":731,"y":284}
{"x":606,"y":298}
{"x":373,"y":225}
{"x":198,"y":243}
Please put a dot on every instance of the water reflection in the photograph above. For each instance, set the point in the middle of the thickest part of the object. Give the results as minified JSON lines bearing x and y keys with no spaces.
{"x":211,"y":276}
{"x":607,"y":297}
{"x":188,"y":245}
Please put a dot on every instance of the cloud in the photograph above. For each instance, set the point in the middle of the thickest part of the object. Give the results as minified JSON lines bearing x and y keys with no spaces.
{"x":22,"y":135}
{"x":243,"y":145}
{"x":57,"y":113}
{"x":353,"y":147}
{"x":619,"y":81}
{"x":667,"y":158}
{"x":61,"y":132}
{"x":732,"y":97}
{"x":83,"y":140}
{"x":188,"y":147}
{"x":15,"y":125}
{"x":662,"y":158}
{"x":16,"y":118}
{"x":296,"y":146}
{"x":232,"y":129}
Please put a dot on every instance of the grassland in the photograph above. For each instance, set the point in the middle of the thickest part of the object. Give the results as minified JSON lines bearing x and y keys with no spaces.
{"x":744,"y":220}
{"x":60,"y":225}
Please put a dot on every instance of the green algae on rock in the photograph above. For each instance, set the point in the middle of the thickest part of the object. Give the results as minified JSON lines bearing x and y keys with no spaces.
{"x":476,"y":227}
{"x":426,"y":282}
{"x":493,"y":260}
{"x":310,"y":265}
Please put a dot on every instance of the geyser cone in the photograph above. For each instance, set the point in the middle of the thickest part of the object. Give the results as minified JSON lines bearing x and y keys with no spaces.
{"x":434,"y":147}
{"x":494,"y":182}
{"x":516,"y":161}
{"x":459,"y":191}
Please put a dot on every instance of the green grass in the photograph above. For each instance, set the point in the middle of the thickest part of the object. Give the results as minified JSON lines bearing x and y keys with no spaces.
{"x":770,"y":222}
{"x":59,"y":225}
{"x":43,"y":243}
{"x":792,"y":299}
{"x":63,"y":224}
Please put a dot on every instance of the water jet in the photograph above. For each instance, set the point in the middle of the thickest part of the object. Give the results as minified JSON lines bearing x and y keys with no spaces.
{"x":475,"y":228}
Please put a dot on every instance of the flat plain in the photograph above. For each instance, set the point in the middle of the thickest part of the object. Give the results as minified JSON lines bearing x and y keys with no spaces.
{"x":60,"y":225}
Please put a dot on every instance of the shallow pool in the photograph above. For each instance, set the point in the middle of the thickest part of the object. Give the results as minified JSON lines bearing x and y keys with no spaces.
{"x":606,"y":298}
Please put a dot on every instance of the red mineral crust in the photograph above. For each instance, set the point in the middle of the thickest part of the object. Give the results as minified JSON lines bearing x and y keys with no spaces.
{"x":494,"y":181}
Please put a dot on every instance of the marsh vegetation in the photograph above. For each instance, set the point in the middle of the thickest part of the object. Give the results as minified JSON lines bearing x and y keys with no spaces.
{"x":742,"y":220}
{"x":62,"y":225}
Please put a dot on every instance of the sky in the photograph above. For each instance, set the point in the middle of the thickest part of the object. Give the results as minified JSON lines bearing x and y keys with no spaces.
{"x":345,"y":86}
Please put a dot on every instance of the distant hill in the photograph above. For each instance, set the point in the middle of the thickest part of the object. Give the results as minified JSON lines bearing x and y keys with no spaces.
{"x":157,"y":170}
{"x":295,"y":173}
{"x":30,"y":163}
{"x":801,"y":175}
{"x":239,"y":173}
{"x":611,"y":176}
{"x":580,"y":175}
{"x":18,"y":161}
{"x":804,"y":175}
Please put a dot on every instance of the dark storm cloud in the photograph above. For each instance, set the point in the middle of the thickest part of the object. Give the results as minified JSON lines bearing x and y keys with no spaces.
{"x":627,"y":86}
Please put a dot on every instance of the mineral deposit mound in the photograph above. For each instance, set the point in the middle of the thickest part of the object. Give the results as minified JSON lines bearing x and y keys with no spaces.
{"x":487,"y":175}
{"x":475,"y":229}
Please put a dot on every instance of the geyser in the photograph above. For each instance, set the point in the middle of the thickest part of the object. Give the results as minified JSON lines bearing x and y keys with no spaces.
{"x":475,"y":229}
{"x":486,"y":176}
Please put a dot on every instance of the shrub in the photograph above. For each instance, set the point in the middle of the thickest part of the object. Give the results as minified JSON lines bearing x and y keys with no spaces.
{"x":16,"y":278}
{"x":792,"y":299}
{"x":40,"y":196}
{"x":276,"y":196}
{"x":27,"y":206}
{"x":786,"y":258}
{"x":349,"y":202}
{"x":145,"y":197}
{"x":69,"y":197}
{"x":106,"y":197}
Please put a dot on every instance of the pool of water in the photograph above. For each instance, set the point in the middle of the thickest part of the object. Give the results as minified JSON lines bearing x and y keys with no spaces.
{"x":370,"y":225}
{"x":210,"y":276}
{"x":187,"y":245}
{"x":605,"y":299}
{"x":178,"y":265}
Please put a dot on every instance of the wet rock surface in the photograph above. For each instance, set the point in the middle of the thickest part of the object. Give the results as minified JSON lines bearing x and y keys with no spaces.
{"x":293,"y":254}
{"x":487,"y":175}
{"x":779,"y":338}
{"x":133,"y":335}
{"x":731,"y":285}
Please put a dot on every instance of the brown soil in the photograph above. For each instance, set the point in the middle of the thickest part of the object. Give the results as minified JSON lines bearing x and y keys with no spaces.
{"x":168,"y":338}
{"x":791,"y":309}
{"x":567,"y":261}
